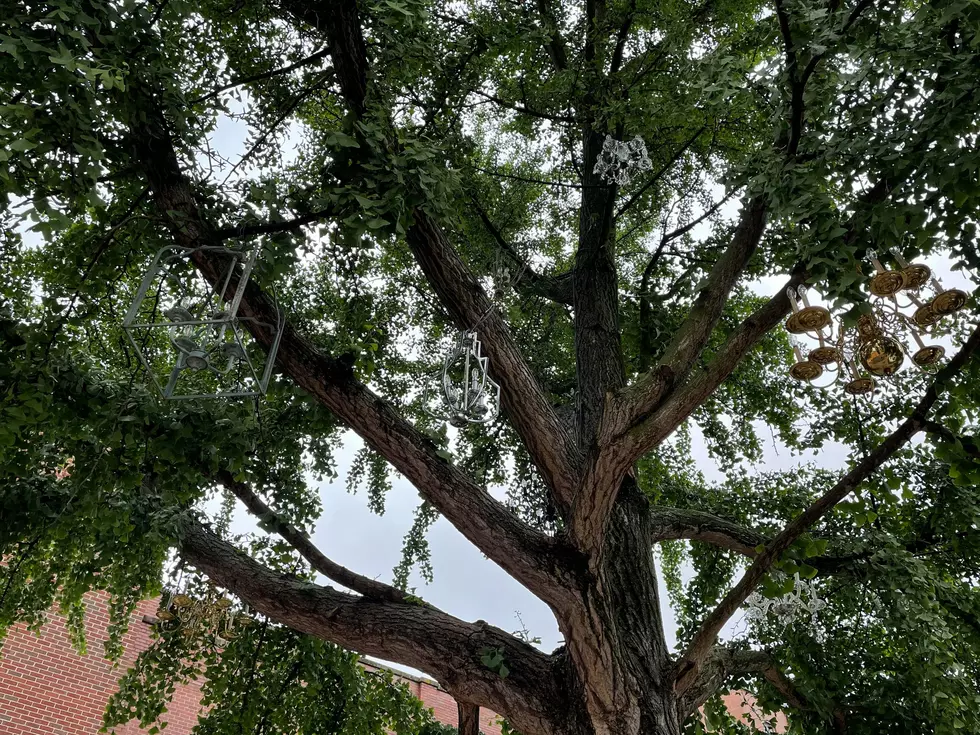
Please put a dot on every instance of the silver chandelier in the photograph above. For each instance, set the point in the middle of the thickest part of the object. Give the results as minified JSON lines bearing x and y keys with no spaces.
{"x":619,"y":160}
{"x":190,"y":335}
{"x":469,"y":394}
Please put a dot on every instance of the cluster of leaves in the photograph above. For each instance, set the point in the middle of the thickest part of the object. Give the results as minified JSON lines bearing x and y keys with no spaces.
{"x":267,"y":680}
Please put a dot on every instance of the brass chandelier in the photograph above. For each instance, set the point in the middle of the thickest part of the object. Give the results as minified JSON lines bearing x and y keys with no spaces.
{"x":875,"y":347}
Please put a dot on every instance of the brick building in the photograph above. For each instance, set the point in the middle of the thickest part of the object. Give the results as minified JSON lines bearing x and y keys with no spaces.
{"x":46,"y":688}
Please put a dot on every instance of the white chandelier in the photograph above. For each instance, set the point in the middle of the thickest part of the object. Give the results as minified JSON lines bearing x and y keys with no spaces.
{"x":801,"y":600}
{"x":619,"y":160}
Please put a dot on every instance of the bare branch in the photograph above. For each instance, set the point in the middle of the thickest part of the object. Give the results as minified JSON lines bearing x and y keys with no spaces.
{"x":299,"y":541}
{"x":263,"y":76}
{"x":270,"y":228}
{"x":703,"y":640}
{"x":524,"y":110}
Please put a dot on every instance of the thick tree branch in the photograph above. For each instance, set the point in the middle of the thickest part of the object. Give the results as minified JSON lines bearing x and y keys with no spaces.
{"x":704,"y":638}
{"x":696,"y":525}
{"x":531,"y":414}
{"x":724,"y":664}
{"x":525,"y":553}
{"x":269,"y":519}
{"x":412,"y":634}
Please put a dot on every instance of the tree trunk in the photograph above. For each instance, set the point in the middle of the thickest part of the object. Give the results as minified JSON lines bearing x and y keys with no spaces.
{"x":627,"y":679}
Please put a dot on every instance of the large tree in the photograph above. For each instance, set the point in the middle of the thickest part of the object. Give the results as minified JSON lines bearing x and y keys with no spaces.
{"x":446,"y":179}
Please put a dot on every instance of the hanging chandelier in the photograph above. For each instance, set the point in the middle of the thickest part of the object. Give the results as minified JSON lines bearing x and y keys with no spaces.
{"x":876,"y":347}
{"x":189,"y":334}
{"x":469,"y":394}
{"x":211,"y":614}
{"x":801,"y":600}
{"x":620,"y":160}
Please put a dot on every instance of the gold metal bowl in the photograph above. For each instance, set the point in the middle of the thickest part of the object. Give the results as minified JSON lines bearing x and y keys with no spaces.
{"x":824,"y":355}
{"x":916,"y":276}
{"x":809,"y":319}
{"x":860,"y":386}
{"x":926,"y":316}
{"x":806,"y":371}
{"x":949,"y":302}
{"x":182,"y":601}
{"x":929,"y":355}
{"x":888,"y":283}
{"x":882,"y":356}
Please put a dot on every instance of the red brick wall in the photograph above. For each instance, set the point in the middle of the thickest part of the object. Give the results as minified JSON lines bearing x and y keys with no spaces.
{"x":46,"y":688}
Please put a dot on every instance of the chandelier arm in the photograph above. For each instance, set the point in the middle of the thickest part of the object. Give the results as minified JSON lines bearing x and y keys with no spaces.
{"x":701,"y":644}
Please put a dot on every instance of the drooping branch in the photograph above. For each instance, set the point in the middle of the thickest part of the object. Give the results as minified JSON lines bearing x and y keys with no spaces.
{"x":271,"y":520}
{"x":712,"y":625}
{"x":412,"y":634}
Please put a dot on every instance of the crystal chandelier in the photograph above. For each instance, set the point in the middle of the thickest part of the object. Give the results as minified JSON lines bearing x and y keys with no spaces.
{"x":875,"y":347}
{"x":619,"y":160}
{"x":802,"y":599}
{"x":469,"y":395}
{"x":190,"y":335}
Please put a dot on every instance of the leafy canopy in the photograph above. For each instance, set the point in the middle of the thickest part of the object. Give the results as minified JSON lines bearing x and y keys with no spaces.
{"x":475,"y":118}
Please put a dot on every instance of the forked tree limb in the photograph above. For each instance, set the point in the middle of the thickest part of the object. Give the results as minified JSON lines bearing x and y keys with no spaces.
{"x":412,"y":634}
{"x":703,"y":640}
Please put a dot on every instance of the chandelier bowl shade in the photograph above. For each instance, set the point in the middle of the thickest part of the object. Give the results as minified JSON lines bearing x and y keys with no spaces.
{"x":888,"y":283}
{"x":808,"y":319}
{"x":806,"y":371}
{"x":882,"y":356}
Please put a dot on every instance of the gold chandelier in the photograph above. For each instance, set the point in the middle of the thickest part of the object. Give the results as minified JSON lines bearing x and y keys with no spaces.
{"x":875,"y":348}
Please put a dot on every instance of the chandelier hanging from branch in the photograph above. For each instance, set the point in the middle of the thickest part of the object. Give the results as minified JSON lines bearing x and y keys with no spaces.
{"x":469,"y":394}
{"x":877,"y":345}
{"x":190,"y":334}
{"x":802,"y":600}
{"x":620,"y":160}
